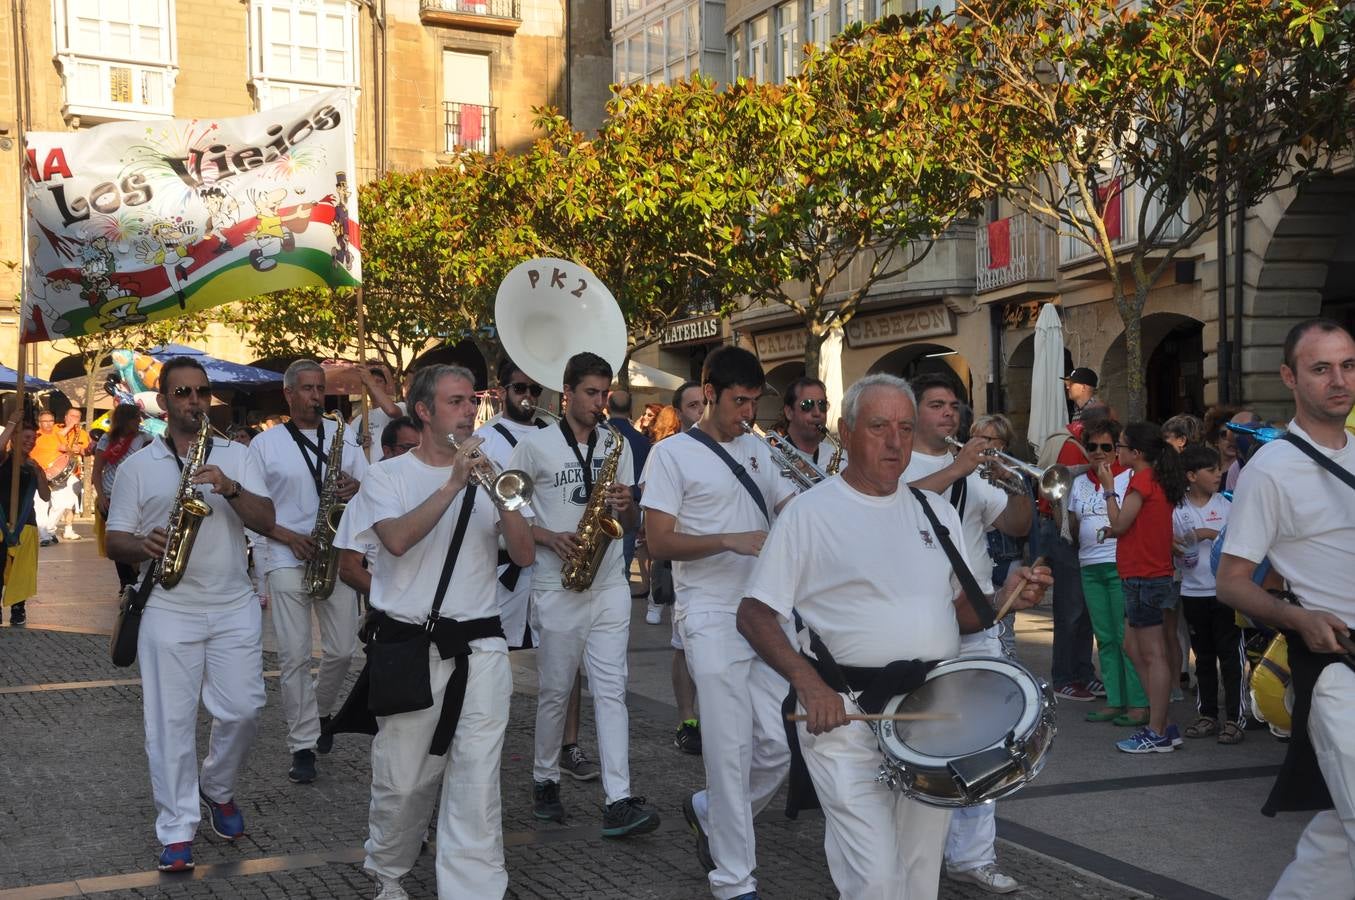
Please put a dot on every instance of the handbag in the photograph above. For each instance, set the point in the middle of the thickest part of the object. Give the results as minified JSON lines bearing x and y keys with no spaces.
{"x":399,"y":680}
{"x":127,"y":625}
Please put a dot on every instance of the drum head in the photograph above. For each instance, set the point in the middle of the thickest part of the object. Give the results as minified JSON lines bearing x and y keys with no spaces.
{"x":991,"y":699}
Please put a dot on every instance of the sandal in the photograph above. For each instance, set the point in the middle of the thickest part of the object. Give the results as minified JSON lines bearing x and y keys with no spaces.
{"x":1232,"y":733}
{"x":1204,"y":727}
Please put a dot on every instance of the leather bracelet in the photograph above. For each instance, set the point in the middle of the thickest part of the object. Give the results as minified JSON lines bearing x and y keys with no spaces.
{"x":235,"y":491}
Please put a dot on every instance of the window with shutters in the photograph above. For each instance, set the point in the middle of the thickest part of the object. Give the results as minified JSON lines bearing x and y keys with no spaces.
{"x":118,"y":58}
{"x":301,"y":47}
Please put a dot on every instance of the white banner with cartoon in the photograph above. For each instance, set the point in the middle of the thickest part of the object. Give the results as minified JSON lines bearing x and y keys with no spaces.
{"x":135,"y":221}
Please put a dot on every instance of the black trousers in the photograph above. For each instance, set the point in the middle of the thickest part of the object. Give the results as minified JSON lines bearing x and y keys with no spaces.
{"x":1217,"y":643}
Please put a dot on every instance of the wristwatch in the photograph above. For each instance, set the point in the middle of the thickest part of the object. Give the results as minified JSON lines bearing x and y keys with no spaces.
{"x":1111,"y":495}
{"x":233,"y":492}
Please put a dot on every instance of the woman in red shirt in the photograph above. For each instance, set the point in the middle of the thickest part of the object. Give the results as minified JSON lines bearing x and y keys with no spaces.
{"x":1141,"y":522}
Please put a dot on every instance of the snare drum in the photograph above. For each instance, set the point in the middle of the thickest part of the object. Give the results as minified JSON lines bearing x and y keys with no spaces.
{"x":998,"y":743}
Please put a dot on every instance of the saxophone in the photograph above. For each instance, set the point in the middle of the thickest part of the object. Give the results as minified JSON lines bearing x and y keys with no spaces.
{"x":322,"y":569}
{"x":835,"y":463}
{"x":598,"y":527}
{"x":185,"y":518}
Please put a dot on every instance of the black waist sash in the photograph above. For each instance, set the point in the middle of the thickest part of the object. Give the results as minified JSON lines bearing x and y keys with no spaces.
{"x":875,"y":687}
{"x":1300,"y":785}
{"x":452,"y":638}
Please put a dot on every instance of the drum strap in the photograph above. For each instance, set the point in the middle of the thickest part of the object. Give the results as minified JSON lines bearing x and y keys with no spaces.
{"x":977,"y":599}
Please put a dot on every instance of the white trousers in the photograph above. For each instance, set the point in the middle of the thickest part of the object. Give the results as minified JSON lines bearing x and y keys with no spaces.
{"x":406,"y":777}
{"x":305,"y":700}
{"x":1324,"y":861}
{"x":880,"y":844}
{"x":592,"y":627}
{"x":220,"y":656}
{"x":743,"y":742}
{"x":514,"y":606}
{"x":972,"y":840}
{"x":49,"y":513}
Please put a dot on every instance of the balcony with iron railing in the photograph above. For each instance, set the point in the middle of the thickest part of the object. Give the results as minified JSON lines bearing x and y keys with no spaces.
{"x":468,"y":126}
{"x":1122,"y":218}
{"x":499,"y":16}
{"x":1017,"y":254}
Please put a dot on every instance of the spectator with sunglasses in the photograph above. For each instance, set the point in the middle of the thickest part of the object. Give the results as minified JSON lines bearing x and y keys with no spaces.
{"x":806,"y":416}
{"x":1126,"y":703}
{"x":381,"y":387}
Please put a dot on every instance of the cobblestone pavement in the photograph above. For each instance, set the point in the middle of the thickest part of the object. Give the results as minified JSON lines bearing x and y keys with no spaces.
{"x":76,"y":814}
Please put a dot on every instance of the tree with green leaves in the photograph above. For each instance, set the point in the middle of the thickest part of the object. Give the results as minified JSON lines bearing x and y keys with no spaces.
{"x":1135,"y":127}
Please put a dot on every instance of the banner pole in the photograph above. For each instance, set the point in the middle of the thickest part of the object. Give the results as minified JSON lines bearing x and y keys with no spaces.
{"x":16,"y":453}
{"x":362,"y":361}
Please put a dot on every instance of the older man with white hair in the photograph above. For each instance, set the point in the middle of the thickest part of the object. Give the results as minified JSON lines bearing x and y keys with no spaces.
{"x":861,"y":560}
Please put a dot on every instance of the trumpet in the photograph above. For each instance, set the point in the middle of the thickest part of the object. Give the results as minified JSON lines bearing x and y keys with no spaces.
{"x":1055,"y":482}
{"x":793,"y":466}
{"x":510,"y":489}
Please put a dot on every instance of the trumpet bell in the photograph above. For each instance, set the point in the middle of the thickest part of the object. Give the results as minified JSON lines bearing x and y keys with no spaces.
{"x":547,"y":310}
{"x":512,"y":490}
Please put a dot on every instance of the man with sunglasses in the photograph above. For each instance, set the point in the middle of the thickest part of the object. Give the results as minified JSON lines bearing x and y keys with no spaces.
{"x":202,"y":637}
{"x":970,"y":847}
{"x":294,"y":460}
{"x":806,"y":412}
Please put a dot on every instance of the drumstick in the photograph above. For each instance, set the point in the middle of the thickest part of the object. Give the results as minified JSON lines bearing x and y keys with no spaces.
{"x":1016,"y":592}
{"x":885,"y":717}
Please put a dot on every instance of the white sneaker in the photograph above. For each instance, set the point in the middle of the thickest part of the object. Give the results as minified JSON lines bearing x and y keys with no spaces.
{"x":989,"y":877}
{"x":653,"y":614}
{"x":70,"y":535}
{"x":390,"y":889}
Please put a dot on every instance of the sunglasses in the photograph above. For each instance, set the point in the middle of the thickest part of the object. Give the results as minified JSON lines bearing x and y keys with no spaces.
{"x":522,"y":387}
{"x":1123,"y":447}
{"x":404,"y":448}
{"x":1104,"y":448}
{"x":184,"y":391}
{"x":806,"y":405}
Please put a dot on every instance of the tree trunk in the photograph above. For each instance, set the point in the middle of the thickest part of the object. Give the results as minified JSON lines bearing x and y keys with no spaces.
{"x":622,"y":375}
{"x":813,"y":349}
{"x":1133,"y":358}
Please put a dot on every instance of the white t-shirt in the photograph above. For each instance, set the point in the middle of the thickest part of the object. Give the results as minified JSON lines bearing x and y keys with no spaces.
{"x":291,"y":484}
{"x":1088,"y":502}
{"x":377,"y":420}
{"x":865,"y":572}
{"x":496,"y":446}
{"x":983,"y":505}
{"x":1197,"y":579}
{"x":216,"y":577}
{"x":1290,"y":509}
{"x":404,"y":587}
{"x":685,"y":479}
{"x":559,"y":497}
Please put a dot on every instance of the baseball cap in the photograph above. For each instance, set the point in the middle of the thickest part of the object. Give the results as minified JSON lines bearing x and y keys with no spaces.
{"x":1081,"y":375}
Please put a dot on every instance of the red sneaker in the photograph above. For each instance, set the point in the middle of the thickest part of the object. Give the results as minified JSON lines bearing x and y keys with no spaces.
{"x":1075,"y":691}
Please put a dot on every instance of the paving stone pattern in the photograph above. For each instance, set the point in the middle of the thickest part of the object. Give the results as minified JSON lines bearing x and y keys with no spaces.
{"x":76,"y":805}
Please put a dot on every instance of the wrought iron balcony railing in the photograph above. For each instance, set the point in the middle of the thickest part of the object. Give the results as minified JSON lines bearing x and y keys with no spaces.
{"x":468,"y":126}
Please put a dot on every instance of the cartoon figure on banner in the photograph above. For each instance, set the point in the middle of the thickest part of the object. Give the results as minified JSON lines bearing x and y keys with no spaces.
{"x":222,"y":212}
{"x":168,"y":247}
{"x":44,"y":317}
{"x":342,"y":257}
{"x":114,"y":305}
{"x":272,"y":235}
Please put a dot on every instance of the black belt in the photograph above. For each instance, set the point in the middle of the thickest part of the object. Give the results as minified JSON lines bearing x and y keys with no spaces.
{"x":452,"y":638}
{"x":509,"y":578}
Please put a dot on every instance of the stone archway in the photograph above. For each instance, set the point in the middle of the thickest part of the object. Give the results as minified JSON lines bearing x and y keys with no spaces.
{"x":1174,"y":377}
{"x":917,"y":359}
{"x":1298,"y":246}
{"x":769,"y":406}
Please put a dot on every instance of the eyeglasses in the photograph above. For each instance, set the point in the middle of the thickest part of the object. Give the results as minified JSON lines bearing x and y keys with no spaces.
{"x":1123,"y":447}
{"x":184,"y":391}
{"x":806,"y":405}
{"x":522,"y":387}
{"x":1104,"y":448}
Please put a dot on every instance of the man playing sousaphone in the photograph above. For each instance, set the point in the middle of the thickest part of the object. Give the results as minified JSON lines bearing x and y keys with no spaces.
{"x":864,"y":565}
{"x":203,"y":636}
{"x":569,"y":465}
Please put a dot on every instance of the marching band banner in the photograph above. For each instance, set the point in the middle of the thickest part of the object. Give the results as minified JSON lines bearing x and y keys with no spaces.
{"x":136,"y":221}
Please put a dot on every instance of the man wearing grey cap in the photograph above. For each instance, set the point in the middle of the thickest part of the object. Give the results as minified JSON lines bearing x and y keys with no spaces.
{"x":1081,"y":387}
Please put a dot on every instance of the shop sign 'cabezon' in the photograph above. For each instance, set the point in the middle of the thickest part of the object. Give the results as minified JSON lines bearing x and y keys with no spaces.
{"x":910,"y":323}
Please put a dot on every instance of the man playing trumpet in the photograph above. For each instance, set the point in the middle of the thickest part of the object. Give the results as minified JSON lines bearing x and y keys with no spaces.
{"x":203,"y":636}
